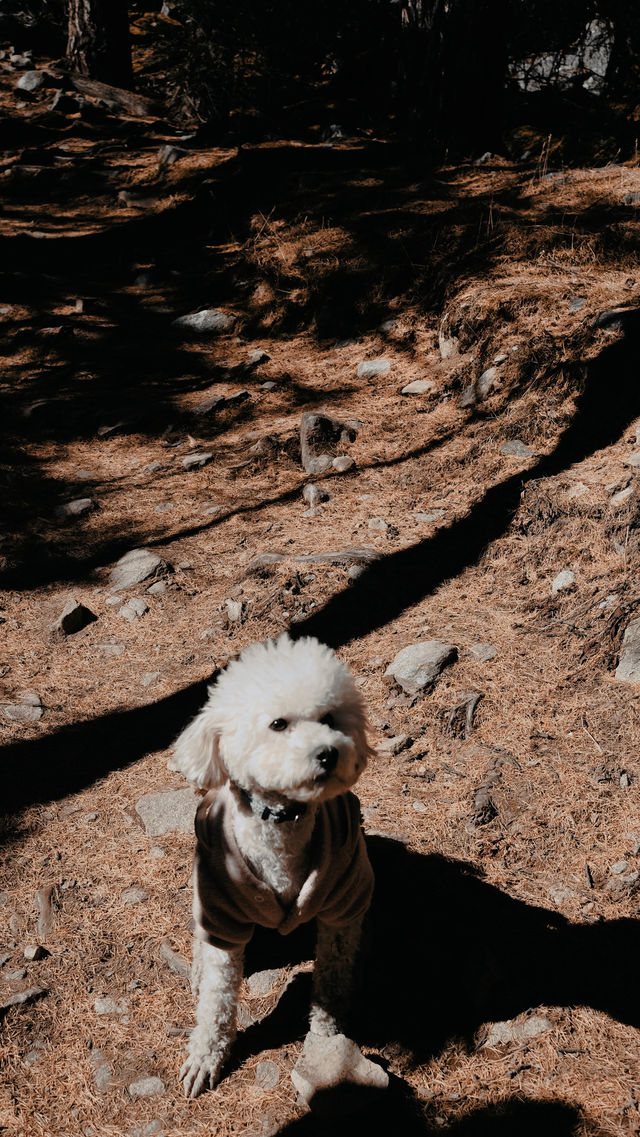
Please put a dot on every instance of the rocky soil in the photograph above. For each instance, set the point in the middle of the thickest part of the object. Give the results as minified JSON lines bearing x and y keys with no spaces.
{"x":318,"y":387}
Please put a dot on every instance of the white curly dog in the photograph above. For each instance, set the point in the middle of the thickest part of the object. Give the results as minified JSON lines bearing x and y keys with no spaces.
{"x":278,"y":746}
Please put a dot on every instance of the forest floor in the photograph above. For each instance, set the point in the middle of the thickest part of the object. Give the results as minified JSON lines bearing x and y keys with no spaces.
{"x":487,"y":280}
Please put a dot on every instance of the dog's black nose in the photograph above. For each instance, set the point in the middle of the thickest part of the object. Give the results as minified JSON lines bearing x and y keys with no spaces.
{"x":328,"y":758}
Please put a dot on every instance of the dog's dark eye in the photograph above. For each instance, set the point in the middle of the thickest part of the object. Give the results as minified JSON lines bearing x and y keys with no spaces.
{"x":328,"y":720}
{"x":278,"y":724}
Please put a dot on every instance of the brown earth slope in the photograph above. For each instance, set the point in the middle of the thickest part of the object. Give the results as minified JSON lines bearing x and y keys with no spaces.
{"x":507,"y":849}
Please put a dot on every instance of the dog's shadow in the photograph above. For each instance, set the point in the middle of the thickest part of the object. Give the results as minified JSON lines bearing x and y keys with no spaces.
{"x":444,"y":952}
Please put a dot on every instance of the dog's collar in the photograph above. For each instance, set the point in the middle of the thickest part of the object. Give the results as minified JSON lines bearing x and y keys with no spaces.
{"x":292,"y":812}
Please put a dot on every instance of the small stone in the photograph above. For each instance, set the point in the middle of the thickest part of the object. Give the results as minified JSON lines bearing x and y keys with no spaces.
{"x":396,"y":744}
{"x":73,"y":618}
{"x":102,"y":1075}
{"x":313,"y":495}
{"x":503,"y":1033}
{"x":164,"y":507}
{"x":197,"y":460}
{"x":152,"y":1128}
{"x":625,"y":780}
{"x":168,"y":155}
{"x":319,"y":438}
{"x":19,"y":998}
{"x":633,"y":461}
{"x":108,"y":1006}
{"x":435,"y":515}
{"x":208,"y":320}
{"x":355,"y":572}
{"x":153,"y":467}
{"x":134,"y":567}
{"x":146,"y":1088}
{"x":134,"y":609}
{"x":609,"y":601}
{"x":418,"y":665}
{"x":516,"y":449}
{"x":34,"y":952}
{"x":447,"y":345}
{"x":563,"y":581}
{"x":14,"y":976}
{"x":372,"y":367}
{"x":134,"y":896}
{"x":207,"y":406}
{"x":157,"y":589}
{"x":169,"y":812}
{"x":110,"y":648}
{"x":76,"y":508}
{"x":487,"y":381}
{"x":620,"y":867}
{"x":264,"y":982}
{"x":238,"y":397}
{"x":612,"y":320}
{"x":418,"y":387}
{"x":312,"y":513}
{"x":343,"y":463}
{"x":378,"y":524}
{"x":622,"y":496}
{"x":33,"y":81}
{"x":149,"y":677}
{"x":484,"y":652}
{"x":577,"y":303}
{"x":157,"y":853}
{"x":257,"y":356}
{"x":333,"y":1062}
{"x":267,"y":1074}
{"x":176,"y":962}
{"x":91,"y":817}
{"x":269,"y":385}
{"x":419,"y":807}
{"x":234,"y":611}
{"x":29,"y":709}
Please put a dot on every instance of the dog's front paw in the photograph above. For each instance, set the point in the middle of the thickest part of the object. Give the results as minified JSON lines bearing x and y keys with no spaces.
{"x":200,"y":1072}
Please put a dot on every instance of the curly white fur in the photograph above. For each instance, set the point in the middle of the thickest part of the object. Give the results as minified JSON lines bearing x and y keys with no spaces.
{"x":239,"y":737}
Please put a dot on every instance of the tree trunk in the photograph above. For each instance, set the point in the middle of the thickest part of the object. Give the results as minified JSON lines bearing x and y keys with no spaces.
{"x":99,"y":44}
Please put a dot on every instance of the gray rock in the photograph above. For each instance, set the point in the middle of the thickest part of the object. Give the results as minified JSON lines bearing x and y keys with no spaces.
{"x":577,"y":303}
{"x":418,"y":387}
{"x":563,"y":581}
{"x":149,"y":677}
{"x":134,"y":609}
{"x":34,"y":952}
{"x":153,"y":467}
{"x":267,"y":1074}
{"x":435,"y":515}
{"x":197,"y":460}
{"x":76,"y":508}
{"x":378,"y":524}
{"x":355,"y":572}
{"x":620,"y":867}
{"x":157,"y":589}
{"x":485,"y":652}
{"x":33,"y":81}
{"x":448,"y":345}
{"x":396,"y":744}
{"x":176,"y":962}
{"x":622,"y":496}
{"x":169,"y":812}
{"x":264,"y":982}
{"x":73,"y":618}
{"x":313,"y":495}
{"x":634,"y":461}
{"x":152,"y":1128}
{"x":628,"y":669}
{"x":168,"y":155}
{"x":234,"y":611}
{"x":20,"y":998}
{"x":134,"y":567}
{"x":238,"y":397}
{"x":208,"y":320}
{"x":14,"y":976}
{"x":257,"y":356}
{"x":369,"y":368}
{"x":110,"y":648}
{"x":146,"y":1088}
{"x":164,"y":507}
{"x":343,"y":463}
{"x":487,"y":381}
{"x":516,"y":449}
{"x":503,"y":1033}
{"x":418,"y":665}
{"x":328,"y":1063}
{"x":319,"y":438}
{"x":468,"y":398}
{"x":419,"y":807}
{"x":108,"y":1006}
{"x":102,"y":1073}
{"x":29,"y":709}
{"x":611,"y":320}
{"x":134,"y":896}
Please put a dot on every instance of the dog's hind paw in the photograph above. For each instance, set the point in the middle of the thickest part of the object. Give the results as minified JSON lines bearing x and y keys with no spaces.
{"x":200,"y":1072}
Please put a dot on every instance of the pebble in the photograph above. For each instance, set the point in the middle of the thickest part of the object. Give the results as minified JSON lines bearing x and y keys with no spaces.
{"x":164,"y":507}
{"x":14,"y":976}
{"x":355,"y":572}
{"x":197,"y":461}
{"x":633,"y":461}
{"x":208,"y":320}
{"x":110,"y":648}
{"x":20,"y":998}
{"x":343,"y":463}
{"x":33,"y":952}
{"x":33,"y":81}
{"x":134,"y":609}
{"x":149,"y":677}
{"x":73,"y":618}
{"x":620,"y":866}
{"x":419,"y":807}
{"x":153,"y":467}
{"x":435,"y":515}
{"x":563,"y":581}
{"x":102,"y":1075}
{"x":76,"y":508}
{"x":319,"y":438}
{"x":169,"y":812}
{"x":516,"y":449}
{"x":134,"y":896}
{"x":577,"y":303}
{"x":234,"y":611}
{"x":268,"y":386}
{"x":622,"y":496}
{"x":152,"y":1128}
{"x":108,"y":1006}
{"x":157,"y":589}
{"x":313,"y":495}
{"x":157,"y":853}
{"x":487,"y":381}
{"x":418,"y":665}
{"x":396,"y":744}
{"x":267,"y":1074}
{"x":378,"y":524}
{"x":418,"y":387}
{"x":146,"y":1088}
{"x":485,"y":652}
{"x":502,"y":1033}
{"x":134,"y":567}
{"x":29,"y":709}
{"x":312,"y":513}
{"x":176,"y":962}
{"x":264,"y":982}
{"x":257,"y":356}
{"x":368,"y":368}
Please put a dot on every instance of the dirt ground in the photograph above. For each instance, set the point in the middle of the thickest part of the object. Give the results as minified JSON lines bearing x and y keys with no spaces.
{"x":507,"y":855}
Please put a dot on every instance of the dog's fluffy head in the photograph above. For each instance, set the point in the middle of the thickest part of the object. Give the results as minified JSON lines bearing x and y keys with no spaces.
{"x":284,"y":718}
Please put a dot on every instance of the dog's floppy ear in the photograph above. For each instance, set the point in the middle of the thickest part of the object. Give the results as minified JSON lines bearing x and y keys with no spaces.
{"x":196,"y":752}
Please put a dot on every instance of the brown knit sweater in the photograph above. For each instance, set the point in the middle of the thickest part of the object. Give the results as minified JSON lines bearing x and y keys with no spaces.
{"x":229,"y":899}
